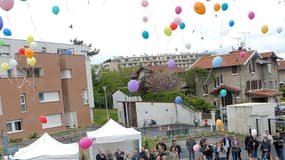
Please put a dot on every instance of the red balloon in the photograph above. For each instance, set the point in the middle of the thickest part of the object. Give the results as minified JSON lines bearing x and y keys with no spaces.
{"x":43,"y":119}
{"x":173,"y":26}
{"x":22,"y":51}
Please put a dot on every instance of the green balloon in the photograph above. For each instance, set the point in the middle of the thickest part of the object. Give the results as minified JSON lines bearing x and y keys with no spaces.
{"x":1,"y":42}
{"x":167,"y":31}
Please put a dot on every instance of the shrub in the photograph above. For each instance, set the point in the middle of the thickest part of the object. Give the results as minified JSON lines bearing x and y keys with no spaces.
{"x":33,"y":136}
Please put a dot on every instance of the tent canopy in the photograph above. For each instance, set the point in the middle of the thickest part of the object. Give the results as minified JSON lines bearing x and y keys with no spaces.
{"x":113,"y":132}
{"x":46,"y":148}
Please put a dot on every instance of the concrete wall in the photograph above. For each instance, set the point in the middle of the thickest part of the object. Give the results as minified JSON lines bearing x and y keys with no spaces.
{"x":163,"y":113}
{"x":243,"y":116}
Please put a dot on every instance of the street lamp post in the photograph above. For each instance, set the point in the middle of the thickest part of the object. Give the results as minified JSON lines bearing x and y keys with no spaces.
{"x":106,"y":104}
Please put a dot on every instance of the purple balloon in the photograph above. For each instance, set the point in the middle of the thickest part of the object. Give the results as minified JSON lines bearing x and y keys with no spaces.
{"x":171,"y":64}
{"x":85,"y":142}
{"x":133,"y":85}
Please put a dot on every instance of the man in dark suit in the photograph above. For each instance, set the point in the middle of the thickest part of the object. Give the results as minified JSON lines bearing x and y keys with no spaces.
{"x":227,"y":144}
{"x":120,"y":155}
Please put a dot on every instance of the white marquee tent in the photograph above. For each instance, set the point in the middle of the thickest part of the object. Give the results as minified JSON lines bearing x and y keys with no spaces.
{"x":111,"y":136}
{"x":47,"y":148}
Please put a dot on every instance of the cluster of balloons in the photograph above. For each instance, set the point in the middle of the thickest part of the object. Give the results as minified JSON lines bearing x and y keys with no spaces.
{"x":27,"y":52}
{"x":200,"y":8}
{"x":145,"y":33}
{"x":177,"y":22}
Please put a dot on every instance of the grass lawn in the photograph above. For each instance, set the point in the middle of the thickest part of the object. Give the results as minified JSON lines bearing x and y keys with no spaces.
{"x":100,"y":116}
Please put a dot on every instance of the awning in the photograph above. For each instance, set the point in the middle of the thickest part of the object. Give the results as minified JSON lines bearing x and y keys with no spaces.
{"x":264,"y":93}
{"x":226,"y":87}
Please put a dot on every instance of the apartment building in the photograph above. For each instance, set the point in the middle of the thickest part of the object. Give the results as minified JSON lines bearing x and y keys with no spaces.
{"x":183,"y":60}
{"x":59,"y":86}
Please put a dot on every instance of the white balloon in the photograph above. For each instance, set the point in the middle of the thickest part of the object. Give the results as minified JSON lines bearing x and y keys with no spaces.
{"x":13,"y":63}
{"x":253,"y":132}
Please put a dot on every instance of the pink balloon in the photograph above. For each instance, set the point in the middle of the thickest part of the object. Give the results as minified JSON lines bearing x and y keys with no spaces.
{"x":178,"y":10}
{"x":196,"y":147}
{"x":251,"y":15}
{"x":6,"y":4}
{"x":145,"y":19}
{"x":242,"y":54}
{"x":177,"y":20}
{"x":85,"y":142}
{"x":144,"y":3}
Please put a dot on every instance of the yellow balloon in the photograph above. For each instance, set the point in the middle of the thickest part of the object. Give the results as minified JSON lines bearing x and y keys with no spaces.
{"x":32,"y":61}
{"x":30,"y":39}
{"x":264,"y":29}
{"x":167,"y":31}
{"x":219,"y":122}
{"x":5,"y":66}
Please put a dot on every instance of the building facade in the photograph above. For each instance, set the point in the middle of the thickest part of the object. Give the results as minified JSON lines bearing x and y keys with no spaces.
{"x":183,"y":60}
{"x":59,"y":87}
{"x":253,"y":78}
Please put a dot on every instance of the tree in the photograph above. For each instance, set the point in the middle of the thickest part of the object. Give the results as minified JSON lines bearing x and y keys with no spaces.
{"x":93,"y":52}
{"x":161,"y":81}
{"x":195,"y":78}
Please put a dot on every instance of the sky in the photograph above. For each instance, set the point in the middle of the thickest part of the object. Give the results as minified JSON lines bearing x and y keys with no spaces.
{"x":115,"y":26}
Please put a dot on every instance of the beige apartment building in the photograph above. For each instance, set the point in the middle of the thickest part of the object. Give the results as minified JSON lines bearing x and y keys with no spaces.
{"x":59,"y":87}
{"x":182,"y":60}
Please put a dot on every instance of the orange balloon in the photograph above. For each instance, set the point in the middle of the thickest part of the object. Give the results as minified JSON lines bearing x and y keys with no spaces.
{"x":217,"y":7}
{"x":200,"y":8}
{"x":29,"y":53}
{"x":219,"y":122}
{"x":264,"y":29}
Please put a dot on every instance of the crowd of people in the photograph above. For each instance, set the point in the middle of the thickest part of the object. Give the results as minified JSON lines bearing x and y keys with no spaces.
{"x":229,"y":147}
{"x":255,"y":149}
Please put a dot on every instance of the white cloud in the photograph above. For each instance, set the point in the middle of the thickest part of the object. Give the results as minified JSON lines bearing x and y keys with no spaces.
{"x":115,"y":27}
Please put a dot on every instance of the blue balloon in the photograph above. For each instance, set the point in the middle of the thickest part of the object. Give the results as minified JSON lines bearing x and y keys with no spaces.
{"x":217,"y":62}
{"x":225,"y":6}
{"x":7,"y":32}
{"x":145,"y":34}
{"x":223,"y":92}
{"x":178,"y":100}
{"x":182,"y":25}
{"x":231,"y":23}
{"x":1,"y":23}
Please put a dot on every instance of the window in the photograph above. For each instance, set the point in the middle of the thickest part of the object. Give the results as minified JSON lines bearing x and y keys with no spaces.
{"x":44,"y":50}
{"x":205,"y":88}
{"x":14,"y":126}
{"x":221,"y":79}
{"x":53,"y":120}
{"x":48,"y":96}
{"x":5,"y":50}
{"x":234,"y":70}
{"x":247,"y":85}
{"x":252,"y":66}
{"x":217,"y":82}
{"x":23,"y":102}
{"x":259,"y":84}
{"x":85,"y":96}
{"x":270,"y":84}
{"x":66,"y":74}
{"x":33,"y":72}
{"x":269,"y":68}
{"x":1,"y":112}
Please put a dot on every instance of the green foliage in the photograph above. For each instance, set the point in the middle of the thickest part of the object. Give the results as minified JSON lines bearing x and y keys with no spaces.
{"x":100,"y":116}
{"x":282,"y":89}
{"x":149,"y":143}
{"x":113,"y":80}
{"x":200,"y":104}
{"x":16,"y":140}
{"x":34,"y":135}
